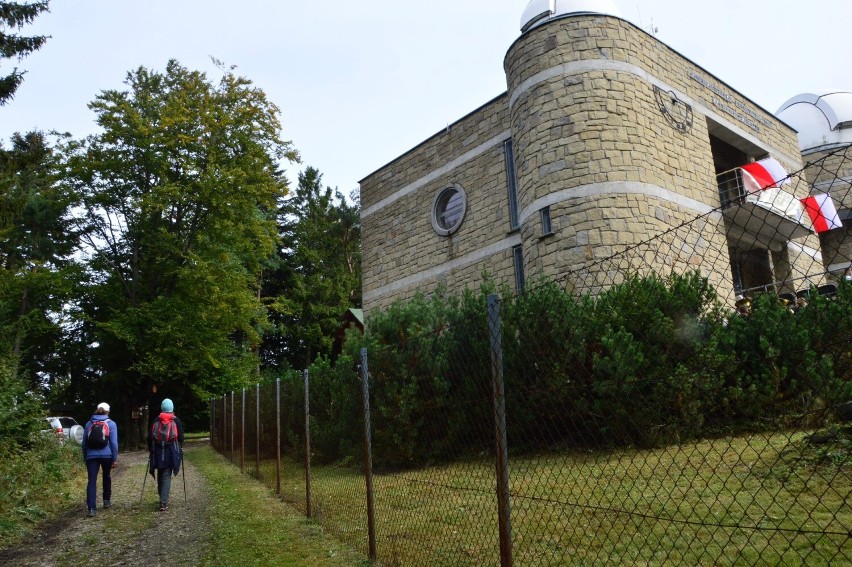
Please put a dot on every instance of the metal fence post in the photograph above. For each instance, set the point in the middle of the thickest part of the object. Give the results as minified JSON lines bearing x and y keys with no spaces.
{"x":257,"y":431}
{"x":502,"y":456}
{"x":278,"y":436}
{"x":368,"y":456}
{"x":308,"y":511}
{"x":224,"y":434}
{"x":243,"y":432}
{"x":232,"y":426}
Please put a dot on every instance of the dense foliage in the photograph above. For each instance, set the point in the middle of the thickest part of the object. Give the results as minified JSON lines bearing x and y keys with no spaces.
{"x":178,"y":196}
{"x":165,"y":256}
{"x":37,"y":275}
{"x":314,"y":276}
{"x":645,"y":363}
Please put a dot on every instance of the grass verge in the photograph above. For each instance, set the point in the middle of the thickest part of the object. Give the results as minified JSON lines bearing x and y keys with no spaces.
{"x":37,"y":484}
{"x":197,"y":435}
{"x":251,"y":526}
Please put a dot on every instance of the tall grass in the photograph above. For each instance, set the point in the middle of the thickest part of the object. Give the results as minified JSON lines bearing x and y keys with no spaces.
{"x":37,"y":482}
{"x":253,"y":527}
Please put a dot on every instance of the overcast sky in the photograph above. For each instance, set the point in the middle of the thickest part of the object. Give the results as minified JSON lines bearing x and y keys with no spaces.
{"x":359,"y":83}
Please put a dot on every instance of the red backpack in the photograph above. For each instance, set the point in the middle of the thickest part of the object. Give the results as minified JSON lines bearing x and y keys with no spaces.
{"x":164,"y":430}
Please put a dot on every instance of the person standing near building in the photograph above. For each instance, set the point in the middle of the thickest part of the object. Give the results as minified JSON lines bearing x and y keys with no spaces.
{"x":100,"y":451}
{"x":164,"y":448}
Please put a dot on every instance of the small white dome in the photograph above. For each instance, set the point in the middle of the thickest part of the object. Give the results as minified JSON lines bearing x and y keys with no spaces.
{"x":539,"y":11}
{"x":821,"y":119}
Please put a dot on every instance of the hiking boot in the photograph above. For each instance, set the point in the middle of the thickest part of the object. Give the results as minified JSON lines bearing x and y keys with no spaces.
{"x":163,"y":507}
{"x":107,"y":504}
{"x":91,"y":512}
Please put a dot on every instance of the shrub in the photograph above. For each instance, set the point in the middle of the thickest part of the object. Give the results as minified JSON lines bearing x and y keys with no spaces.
{"x":35,"y":482}
{"x":618,"y":368}
{"x":784,"y":367}
{"x":646,"y":362}
{"x":21,"y":410}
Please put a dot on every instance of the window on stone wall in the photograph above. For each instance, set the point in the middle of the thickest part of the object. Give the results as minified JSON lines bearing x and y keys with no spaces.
{"x":518,"y":257}
{"x":514,"y":218}
{"x":448,"y":210}
{"x":546,"y":225}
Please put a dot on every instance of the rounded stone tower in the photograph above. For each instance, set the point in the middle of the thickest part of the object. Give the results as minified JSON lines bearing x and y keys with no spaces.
{"x":617,"y":141}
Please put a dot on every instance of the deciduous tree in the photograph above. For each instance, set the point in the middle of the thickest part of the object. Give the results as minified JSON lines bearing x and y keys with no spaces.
{"x":180,"y":192}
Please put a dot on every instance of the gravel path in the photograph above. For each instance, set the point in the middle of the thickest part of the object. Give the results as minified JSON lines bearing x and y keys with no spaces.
{"x":129,"y":533}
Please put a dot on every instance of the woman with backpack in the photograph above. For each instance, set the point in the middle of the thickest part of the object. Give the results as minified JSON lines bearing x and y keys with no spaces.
{"x":164,"y":448}
{"x":100,"y":451}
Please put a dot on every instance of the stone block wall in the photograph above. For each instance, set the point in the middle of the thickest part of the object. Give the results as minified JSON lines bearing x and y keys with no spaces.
{"x":401,"y":252}
{"x":583,"y":111}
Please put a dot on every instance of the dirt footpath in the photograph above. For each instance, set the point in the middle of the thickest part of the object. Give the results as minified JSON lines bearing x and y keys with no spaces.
{"x":130,"y":532}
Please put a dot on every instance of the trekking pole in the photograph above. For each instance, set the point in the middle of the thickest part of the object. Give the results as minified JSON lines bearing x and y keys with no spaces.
{"x":183,"y":470}
{"x":145,"y":479}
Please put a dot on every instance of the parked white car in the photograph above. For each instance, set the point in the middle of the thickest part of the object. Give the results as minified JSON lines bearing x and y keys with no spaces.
{"x":65,"y":428}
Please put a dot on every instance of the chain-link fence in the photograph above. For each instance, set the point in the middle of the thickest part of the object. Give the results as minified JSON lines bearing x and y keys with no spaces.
{"x":617,"y":416}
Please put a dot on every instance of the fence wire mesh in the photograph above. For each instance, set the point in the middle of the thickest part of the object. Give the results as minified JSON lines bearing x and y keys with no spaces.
{"x":660,"y":416}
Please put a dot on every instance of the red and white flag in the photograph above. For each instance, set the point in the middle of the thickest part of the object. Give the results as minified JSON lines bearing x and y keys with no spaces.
{"x":821,"y":209}
{"x":763,"y":174}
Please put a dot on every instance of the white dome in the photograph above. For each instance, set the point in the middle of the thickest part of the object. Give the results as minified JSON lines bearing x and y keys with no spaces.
{"x":539,"y":11}
{"x":821,"y":120}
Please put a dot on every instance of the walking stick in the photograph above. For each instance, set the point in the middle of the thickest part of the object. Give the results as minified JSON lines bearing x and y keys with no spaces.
{"x":183,"y":470}
{"x":145,"y":479}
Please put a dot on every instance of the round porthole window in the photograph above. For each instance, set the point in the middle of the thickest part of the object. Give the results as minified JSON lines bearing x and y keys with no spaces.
{"x":448,"y":210}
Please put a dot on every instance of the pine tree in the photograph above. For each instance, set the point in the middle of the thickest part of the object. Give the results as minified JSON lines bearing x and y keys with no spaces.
{"x":14,"y":16}
{"x":316,"y":275}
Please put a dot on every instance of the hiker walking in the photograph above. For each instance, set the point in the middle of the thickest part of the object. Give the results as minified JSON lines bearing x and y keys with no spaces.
{"x":100,"y":451}
{"x":164,"y":448}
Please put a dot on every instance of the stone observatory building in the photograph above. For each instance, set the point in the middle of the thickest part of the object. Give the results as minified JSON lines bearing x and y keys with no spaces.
{"x":604,"y":139}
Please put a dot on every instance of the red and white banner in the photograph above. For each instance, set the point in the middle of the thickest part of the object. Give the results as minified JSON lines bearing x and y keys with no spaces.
{"x":763,"y":174}
{"x":821,"y":209}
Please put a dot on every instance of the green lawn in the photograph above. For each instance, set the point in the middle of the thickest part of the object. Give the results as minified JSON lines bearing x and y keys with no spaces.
{"x":736,"y":500}
{"x":253,"y":527}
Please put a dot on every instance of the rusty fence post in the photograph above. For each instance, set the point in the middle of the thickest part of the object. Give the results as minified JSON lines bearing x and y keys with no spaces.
{"x":223,"y":441}
{"x":210,"y":405}
{"x":257,"y":431}
{"x":278,"y":436}
{"x":368,"y":456}
{"x":502,"y":451}
{"x":308,"y":511}
{"x":243,"y":432}
{"x":232,"y":426}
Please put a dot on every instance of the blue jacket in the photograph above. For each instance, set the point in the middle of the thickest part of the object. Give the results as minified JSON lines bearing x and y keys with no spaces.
{"x":111,"y":450}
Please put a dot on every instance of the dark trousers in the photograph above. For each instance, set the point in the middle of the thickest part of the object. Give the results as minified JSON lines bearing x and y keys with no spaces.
{"x":164,"y":485}
{"x":92,"y":466}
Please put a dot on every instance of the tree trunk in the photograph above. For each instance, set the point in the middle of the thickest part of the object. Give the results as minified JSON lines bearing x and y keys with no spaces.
{"x":19,"y":333}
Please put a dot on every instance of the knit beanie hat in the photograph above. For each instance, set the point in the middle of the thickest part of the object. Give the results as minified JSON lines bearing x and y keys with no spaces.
{"x":167,"y":406}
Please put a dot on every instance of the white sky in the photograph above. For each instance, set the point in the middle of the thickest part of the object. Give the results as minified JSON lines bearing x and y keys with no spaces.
{"x":359,"y":83}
